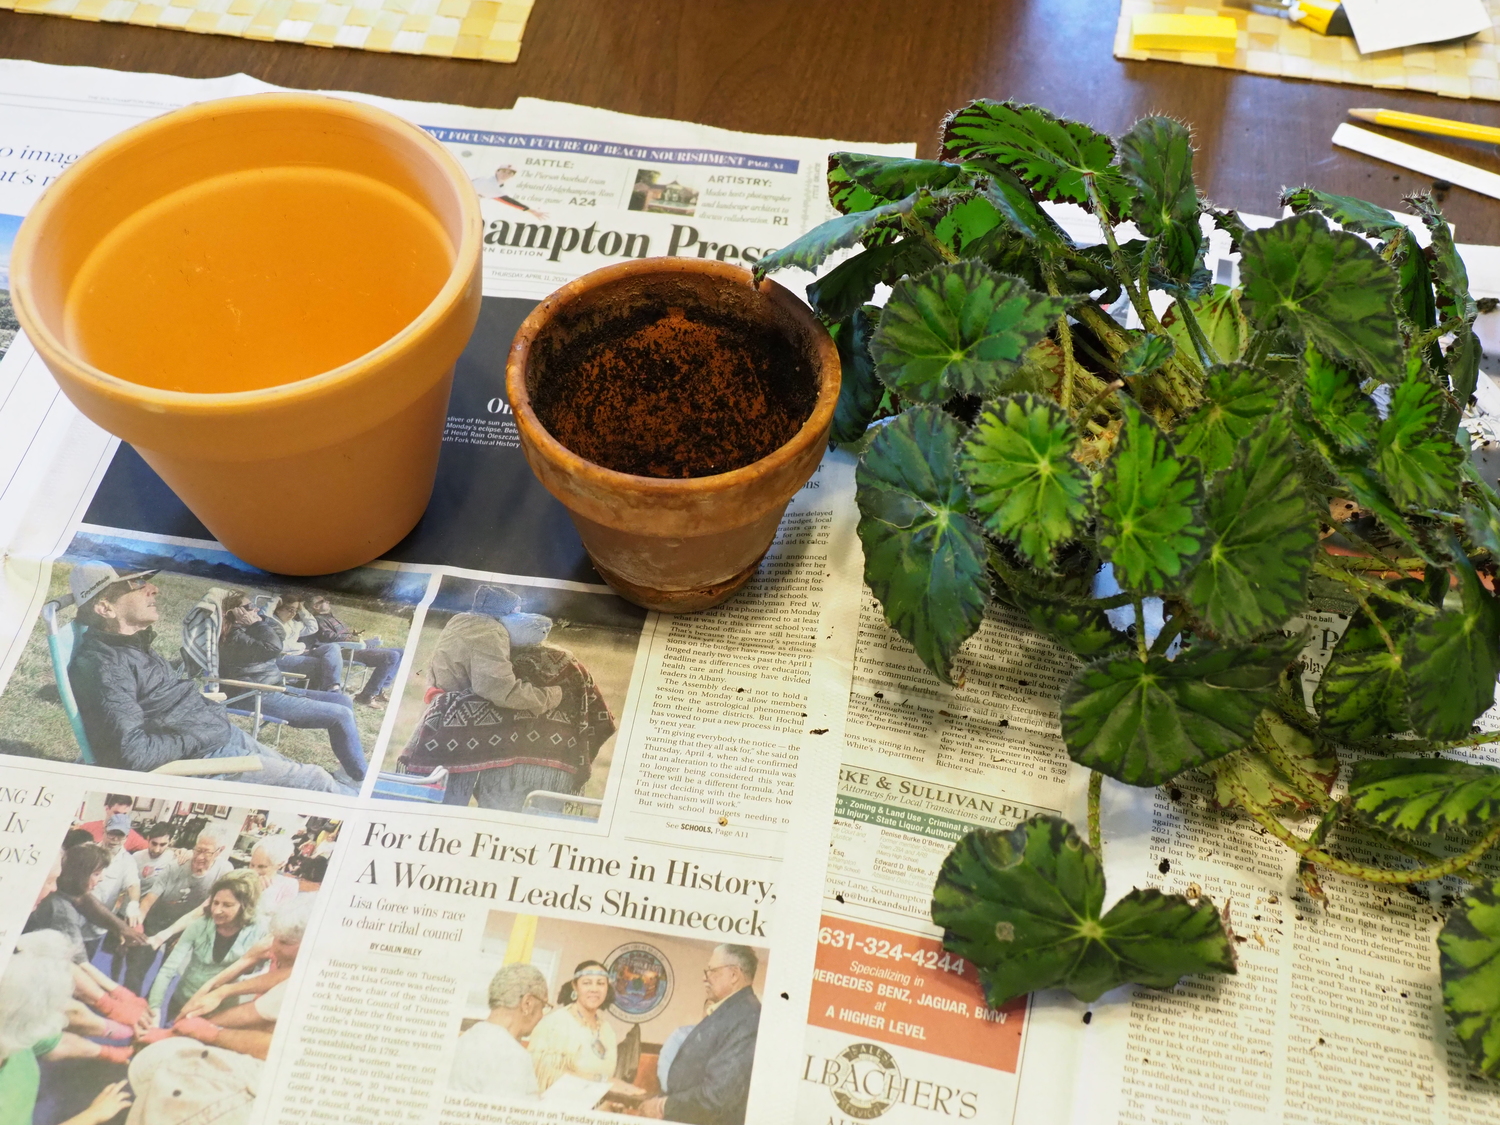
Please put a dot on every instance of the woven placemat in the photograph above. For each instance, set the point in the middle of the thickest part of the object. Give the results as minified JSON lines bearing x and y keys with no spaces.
{"x":1268,"y":45}
{"x":457,"y":29}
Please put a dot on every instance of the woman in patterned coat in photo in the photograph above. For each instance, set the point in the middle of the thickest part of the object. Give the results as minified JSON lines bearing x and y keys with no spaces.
{"x":507,"y":714}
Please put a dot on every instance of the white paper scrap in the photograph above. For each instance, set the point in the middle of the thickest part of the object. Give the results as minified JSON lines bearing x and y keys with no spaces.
{"x":1385,"y":25}
{"x":1417,"y":159}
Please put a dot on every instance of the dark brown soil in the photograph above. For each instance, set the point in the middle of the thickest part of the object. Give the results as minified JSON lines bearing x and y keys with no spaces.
{"x":675,"y":393}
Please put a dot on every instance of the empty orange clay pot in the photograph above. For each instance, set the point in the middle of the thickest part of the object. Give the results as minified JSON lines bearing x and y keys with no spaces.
{"x":266,"y":297}
{"x":673,"y":543}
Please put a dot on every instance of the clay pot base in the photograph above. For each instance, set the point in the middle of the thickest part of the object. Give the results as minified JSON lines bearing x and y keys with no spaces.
{"x":676,"y":601}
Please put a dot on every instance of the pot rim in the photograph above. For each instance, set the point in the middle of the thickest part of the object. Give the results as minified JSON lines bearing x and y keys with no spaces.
{"x":157,"y":400}
{"x":813,"y":430}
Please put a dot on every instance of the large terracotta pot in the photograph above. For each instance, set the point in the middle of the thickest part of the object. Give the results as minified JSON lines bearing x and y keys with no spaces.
{"x":679,"y":544}
{"x":331,"y":468}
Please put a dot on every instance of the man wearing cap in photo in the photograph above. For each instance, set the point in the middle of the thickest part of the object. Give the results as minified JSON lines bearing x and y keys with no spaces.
{"x":115,"y":803}
{"x":138,"y":712}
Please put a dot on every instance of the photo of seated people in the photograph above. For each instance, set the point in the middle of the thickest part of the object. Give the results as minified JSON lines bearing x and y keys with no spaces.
{"x":152,"y":656}
{"x":151,"y":973}
{"x":578,"y":1016}
{"x":513,"y":699}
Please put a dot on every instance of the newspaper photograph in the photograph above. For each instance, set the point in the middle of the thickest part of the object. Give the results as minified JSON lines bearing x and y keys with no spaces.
{"x":584,"y":998}
{"x":9,"y":325}
{"x":151,"y":655}
{"x":150,"y":975}
{"x":514,"y":696}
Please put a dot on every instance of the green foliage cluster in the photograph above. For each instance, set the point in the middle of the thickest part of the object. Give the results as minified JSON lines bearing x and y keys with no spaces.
{"x":1224,"y":458}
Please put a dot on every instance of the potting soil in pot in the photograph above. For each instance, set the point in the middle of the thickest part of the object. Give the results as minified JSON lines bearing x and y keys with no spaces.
{"x":675,"y":393}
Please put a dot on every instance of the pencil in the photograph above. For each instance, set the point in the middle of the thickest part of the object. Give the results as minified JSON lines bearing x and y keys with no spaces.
{"x":1438,"y":126}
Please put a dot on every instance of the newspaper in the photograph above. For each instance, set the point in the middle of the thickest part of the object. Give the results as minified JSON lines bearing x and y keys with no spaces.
{"x":385,"y":976}
{"x":623,"y":860}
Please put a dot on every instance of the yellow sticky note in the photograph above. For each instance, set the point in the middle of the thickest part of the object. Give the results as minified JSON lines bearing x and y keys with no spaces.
{"x":1159,"y":32}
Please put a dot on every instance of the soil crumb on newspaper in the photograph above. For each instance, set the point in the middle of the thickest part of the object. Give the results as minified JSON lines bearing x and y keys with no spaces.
{"x":675,"y":393}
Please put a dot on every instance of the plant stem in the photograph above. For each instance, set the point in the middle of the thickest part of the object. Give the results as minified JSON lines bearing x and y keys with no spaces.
{"x":1382,"y":563}
{"x":1206,"y":354}
{"x":1307,"y":873}
{"x":1480,"y":739}
{"x":1354,"y":582}
{"x":920,"y":230}
{"x":1175,"y":625}
{"x":1093,"y":404}
{"x":1424,"y":340}
{"x":1140,"y":630}
{"x":1138,"y":299}
{"x":1065,"y":341}
{"x":1303,"y":782}
{"x":1314,"y":854}
{"x":1380,"y":628}
{"x":1096,"y":835}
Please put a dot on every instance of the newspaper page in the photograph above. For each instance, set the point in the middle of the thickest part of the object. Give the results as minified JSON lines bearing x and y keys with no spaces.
{"x":1335,"y":1013}
{"x":601,"y":925}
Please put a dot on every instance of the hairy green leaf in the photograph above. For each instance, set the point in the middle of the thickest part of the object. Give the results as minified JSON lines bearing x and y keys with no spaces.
{"x":1267,"y":783}
{"x":1336,"y":402}
{"x":1014,"y":201}
{"x":1157,"y":158}
{"x":1219,"y":315}
{"x":966,"y":223}
{"x":924,"y":555}
{"x":1146,"y":507}
{"x":857,"y":182}
{"x":1059,"y":605}
{"x":1326,"y":286}
{"x":1026,"y":486}
{"x":1025,"y":907}
{"x":1463,"y":358}
{"x":1057,"y":159}
{"x":843,"y":289}
{"x":1469,"y":959}
{"x":1482,"y":522}
{"x":1262,"y":535}
{"x":1452,"y":660}
{"x":1418,"y":463}
{"x":1231,"y":224}
{"x":1425,"y":795}
{"x":859,"y":391}
{"x":1363,"y":485}
{"x":1363,"y":690}
{"x":1239,"y":398}
{"x":1084,"y":632}
{"x":1146,"y":357}
{"x":1352,"y":214}
{"x":813,"y":248}
{"x":1416,"y":301}
{"x":958,"y":329}
{"x":1145,"y":722}
{"x":1448,"y":270}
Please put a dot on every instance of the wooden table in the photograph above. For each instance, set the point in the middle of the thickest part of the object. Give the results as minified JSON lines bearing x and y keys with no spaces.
{"x":879,"y":70}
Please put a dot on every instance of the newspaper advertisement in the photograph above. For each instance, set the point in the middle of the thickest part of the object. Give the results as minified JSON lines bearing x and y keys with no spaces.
{"x":487,"y":842}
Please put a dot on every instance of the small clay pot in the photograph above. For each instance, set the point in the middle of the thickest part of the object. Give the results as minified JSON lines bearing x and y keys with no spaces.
{"x":675,"y":544}
{"x":330,"y":467}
